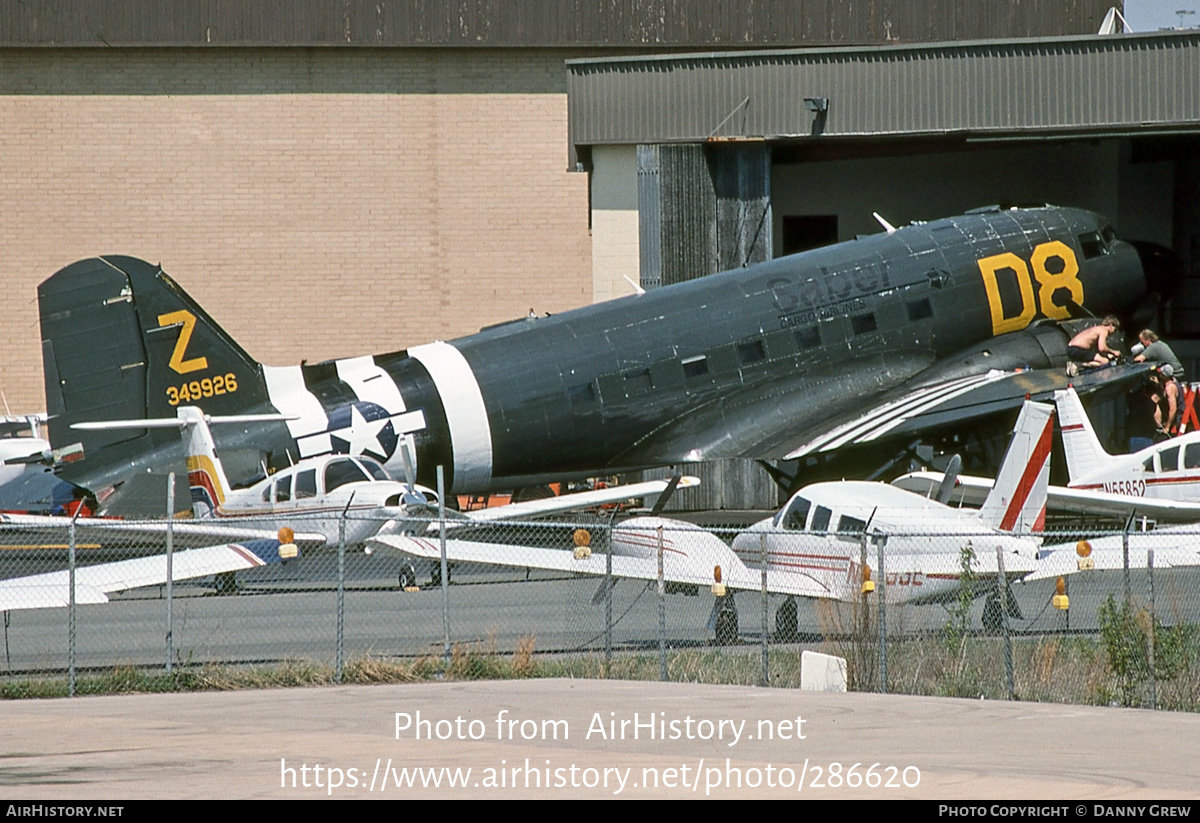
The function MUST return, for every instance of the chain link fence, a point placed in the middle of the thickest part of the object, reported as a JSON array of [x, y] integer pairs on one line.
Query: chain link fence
[[940, 619]]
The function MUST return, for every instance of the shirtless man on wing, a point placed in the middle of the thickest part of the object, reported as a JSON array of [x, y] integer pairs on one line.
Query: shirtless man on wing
[[1090, 348]]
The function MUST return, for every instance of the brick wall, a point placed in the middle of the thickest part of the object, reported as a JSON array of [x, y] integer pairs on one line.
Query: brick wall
[[317, 202]]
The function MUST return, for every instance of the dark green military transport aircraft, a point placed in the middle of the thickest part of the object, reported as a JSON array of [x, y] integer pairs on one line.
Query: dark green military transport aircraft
[[883, 336]]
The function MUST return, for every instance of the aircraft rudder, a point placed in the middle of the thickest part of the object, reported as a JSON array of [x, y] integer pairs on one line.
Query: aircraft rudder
[[1082, 448], [1017, 501], [122, 340]]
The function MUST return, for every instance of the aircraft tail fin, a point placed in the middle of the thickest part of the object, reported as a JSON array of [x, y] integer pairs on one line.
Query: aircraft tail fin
[[1017, 502], [206, 475], [1082, 446], [121, 341]]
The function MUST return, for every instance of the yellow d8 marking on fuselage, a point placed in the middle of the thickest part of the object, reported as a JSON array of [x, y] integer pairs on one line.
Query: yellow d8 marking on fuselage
[[1048, 283], [187, 322]]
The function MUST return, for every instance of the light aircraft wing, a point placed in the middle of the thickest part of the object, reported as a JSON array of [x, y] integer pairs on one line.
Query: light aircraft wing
[[1171, 549], [93, 584], [31, 531], [693, 568], [971, 491], [570, 502]]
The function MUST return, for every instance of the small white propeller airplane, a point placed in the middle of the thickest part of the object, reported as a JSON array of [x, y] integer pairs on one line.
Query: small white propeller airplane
[[816, 545], [824, 543], [327, 493], [1160, 482]]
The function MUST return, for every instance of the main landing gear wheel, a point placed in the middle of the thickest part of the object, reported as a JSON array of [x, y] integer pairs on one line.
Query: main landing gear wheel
[[787, 623], [408, 577], [726, 628], [993, 616], [226, 583]]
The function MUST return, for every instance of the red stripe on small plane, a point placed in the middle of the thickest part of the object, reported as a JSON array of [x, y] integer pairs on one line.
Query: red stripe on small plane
[[247, 555], [1074, 427], [1041, 453]]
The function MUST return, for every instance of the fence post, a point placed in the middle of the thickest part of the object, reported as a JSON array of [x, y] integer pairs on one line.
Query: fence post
[[170, 568], [762, 559], [341, 595], [71, 605], [880, 541], [1002, 594], [441, 490], [1153, 633], [608, 590], [662, 613]]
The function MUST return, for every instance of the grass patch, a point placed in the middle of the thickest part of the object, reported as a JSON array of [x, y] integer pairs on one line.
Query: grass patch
[[1046, 669]]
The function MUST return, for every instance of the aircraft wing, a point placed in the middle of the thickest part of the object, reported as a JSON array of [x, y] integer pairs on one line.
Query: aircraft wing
[[1171, 549], [971, 491], [93, 584], [33, 531], [946, 404], [696, 567], [568, 502]]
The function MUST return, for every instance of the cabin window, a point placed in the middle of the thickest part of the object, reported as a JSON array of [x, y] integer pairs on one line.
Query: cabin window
[[1169, 459], [1191, 456], [283, 489], [306, 484], [863, 323], [340, 472], [695, 366], [751, 352], [266, 495], [821, 519], [851, 525], [808, 337], [919, 309]]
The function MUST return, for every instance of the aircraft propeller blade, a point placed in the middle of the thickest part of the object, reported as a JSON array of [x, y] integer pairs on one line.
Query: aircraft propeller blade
[[949, 480]]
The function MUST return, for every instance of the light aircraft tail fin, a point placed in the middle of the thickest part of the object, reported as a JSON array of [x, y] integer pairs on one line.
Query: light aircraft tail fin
[[206, 476], [1082, 446], [121, 340], [1017, 502]]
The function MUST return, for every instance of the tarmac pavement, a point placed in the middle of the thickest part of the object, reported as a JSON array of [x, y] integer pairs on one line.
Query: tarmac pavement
[[591, 739]]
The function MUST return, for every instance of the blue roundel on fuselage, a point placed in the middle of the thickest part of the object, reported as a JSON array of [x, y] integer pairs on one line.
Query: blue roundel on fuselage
[[362, 428]]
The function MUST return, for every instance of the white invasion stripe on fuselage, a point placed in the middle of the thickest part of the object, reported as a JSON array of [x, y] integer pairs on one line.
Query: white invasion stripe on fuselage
[[288, 394], [371, 383], [466, 415]]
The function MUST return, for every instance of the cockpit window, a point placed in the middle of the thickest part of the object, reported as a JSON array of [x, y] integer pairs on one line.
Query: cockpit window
[[1092, 245], [821, 517], [1108, 234], [1149, 464], [796, 514], [283, 489], [340, 472]]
